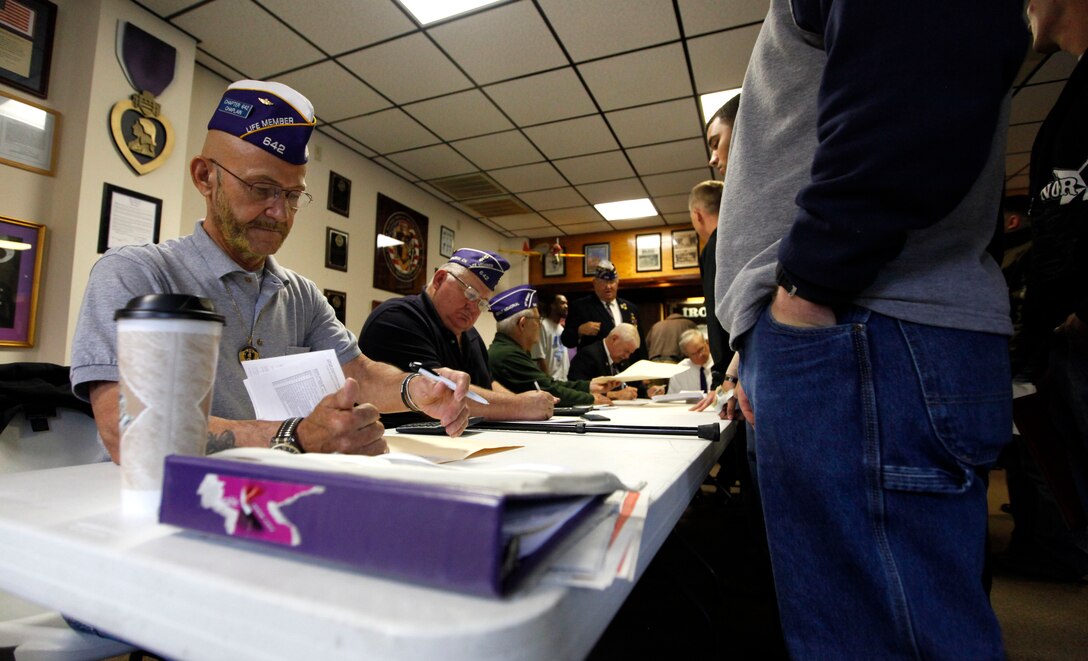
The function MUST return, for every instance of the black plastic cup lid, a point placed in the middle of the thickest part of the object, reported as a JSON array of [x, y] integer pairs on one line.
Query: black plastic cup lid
[[169, 306]]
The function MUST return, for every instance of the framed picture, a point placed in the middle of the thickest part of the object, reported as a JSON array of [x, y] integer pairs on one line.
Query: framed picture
[[445, 242], [400, 248], [26, 41], [339, 194], [685, 249], [554, 266], [336, 249], [594, 253], [28, 133], [339, 302], [647, 252], [128, 218], [21, 245]]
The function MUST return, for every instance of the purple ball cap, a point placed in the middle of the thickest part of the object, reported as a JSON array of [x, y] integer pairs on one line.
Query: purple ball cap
[[271, 116]]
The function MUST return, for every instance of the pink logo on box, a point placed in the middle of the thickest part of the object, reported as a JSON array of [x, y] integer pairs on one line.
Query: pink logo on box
[[254, 508]]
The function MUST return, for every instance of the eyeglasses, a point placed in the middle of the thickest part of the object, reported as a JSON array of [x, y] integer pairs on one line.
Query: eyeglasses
[[262, 192], [472, 295]]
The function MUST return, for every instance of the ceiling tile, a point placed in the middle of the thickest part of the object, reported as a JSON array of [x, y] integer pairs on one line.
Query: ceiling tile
[[238, 32], [434, 191], [168, 7], [672, 204], [586, 228], [1058, 66], [520, 221], [497, 44], [532, 100], [528, 177], [595, 28], [613, 191], [396, 169], [678, 219], [720, 60], [335, 93], [573, 137], [407, 69], [343, 25], [573, 216], [1021, 137], [597, 167], [668, 156], [661, 122], [674, 183], [555, 198], [213, 64], [387, 131], [433, 162], [346, 140], [460, 115], [702, 16], [1033, 102], [499, 150], [638, 223], [645, 76], [548, 232]]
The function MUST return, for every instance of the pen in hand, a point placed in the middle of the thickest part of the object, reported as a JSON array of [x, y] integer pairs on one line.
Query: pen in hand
[[438, 378], [537, 384]]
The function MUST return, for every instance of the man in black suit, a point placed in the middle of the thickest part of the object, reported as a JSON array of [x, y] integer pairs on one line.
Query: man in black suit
[[604, 358], [593, 317]]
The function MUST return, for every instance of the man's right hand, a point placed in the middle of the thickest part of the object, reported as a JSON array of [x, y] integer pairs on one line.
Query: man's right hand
[[535, 405], [338, 425], [590, 328]]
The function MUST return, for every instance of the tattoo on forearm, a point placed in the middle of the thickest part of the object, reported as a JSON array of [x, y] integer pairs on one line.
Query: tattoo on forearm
[[219, 442]]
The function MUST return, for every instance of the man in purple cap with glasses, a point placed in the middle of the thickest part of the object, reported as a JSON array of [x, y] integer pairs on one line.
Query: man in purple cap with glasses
[[251, 172], [435, 329]]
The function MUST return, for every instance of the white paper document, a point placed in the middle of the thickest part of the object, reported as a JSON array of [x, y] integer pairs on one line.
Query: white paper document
[[682, 396], [646, 369], [291, 386]]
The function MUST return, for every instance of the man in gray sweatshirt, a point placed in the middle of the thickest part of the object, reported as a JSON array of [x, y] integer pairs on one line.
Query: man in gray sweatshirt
[[864, 185]]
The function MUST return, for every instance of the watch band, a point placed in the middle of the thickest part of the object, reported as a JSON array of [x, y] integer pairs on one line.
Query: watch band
[[286, 439]]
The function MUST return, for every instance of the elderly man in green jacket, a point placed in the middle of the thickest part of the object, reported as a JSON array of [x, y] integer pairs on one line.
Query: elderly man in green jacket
[[511, 365]]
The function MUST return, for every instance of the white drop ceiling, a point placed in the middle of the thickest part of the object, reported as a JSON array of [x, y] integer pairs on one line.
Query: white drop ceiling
[[561, 103]]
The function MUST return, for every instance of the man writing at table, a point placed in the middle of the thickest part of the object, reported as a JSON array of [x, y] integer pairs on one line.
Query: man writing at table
[[253, 183], [602, 359], [436, 329], [519, 321]]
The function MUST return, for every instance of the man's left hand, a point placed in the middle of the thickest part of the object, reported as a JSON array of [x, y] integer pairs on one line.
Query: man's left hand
[[796, 311], [436, 399]]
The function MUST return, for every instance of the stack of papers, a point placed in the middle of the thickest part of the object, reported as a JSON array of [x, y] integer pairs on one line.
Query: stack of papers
[[291, 386], [682, 396]]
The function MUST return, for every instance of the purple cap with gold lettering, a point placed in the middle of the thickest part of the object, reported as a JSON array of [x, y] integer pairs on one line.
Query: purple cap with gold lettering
[[513, 301], [271, 116], [484, 264]]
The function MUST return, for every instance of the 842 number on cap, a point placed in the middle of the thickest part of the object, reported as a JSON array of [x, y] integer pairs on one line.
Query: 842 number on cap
[[274, 145]]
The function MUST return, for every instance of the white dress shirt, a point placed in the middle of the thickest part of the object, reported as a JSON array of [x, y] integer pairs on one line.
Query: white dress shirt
[[689, 378]]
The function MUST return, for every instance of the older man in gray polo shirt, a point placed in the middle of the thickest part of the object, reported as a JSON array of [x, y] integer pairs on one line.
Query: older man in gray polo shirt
[[251, 172]]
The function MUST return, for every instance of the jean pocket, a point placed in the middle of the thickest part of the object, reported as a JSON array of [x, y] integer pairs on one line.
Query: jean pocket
[[964, 376]]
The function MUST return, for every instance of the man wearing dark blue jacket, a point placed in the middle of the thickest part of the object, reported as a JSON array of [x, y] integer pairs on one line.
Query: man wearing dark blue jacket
[[864, 178]]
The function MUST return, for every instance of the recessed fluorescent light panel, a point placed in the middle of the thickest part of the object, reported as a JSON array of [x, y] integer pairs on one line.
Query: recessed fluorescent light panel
[[430, 11], [626, 209], [711, 102]]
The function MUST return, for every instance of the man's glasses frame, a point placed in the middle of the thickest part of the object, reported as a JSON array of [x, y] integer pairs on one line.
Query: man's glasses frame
[[262, 192], [471, 295]]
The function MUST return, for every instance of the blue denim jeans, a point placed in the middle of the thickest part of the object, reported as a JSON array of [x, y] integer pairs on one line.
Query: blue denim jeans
[[872, 438]]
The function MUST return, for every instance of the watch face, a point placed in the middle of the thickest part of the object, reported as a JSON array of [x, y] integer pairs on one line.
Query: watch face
[[286, 445]]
